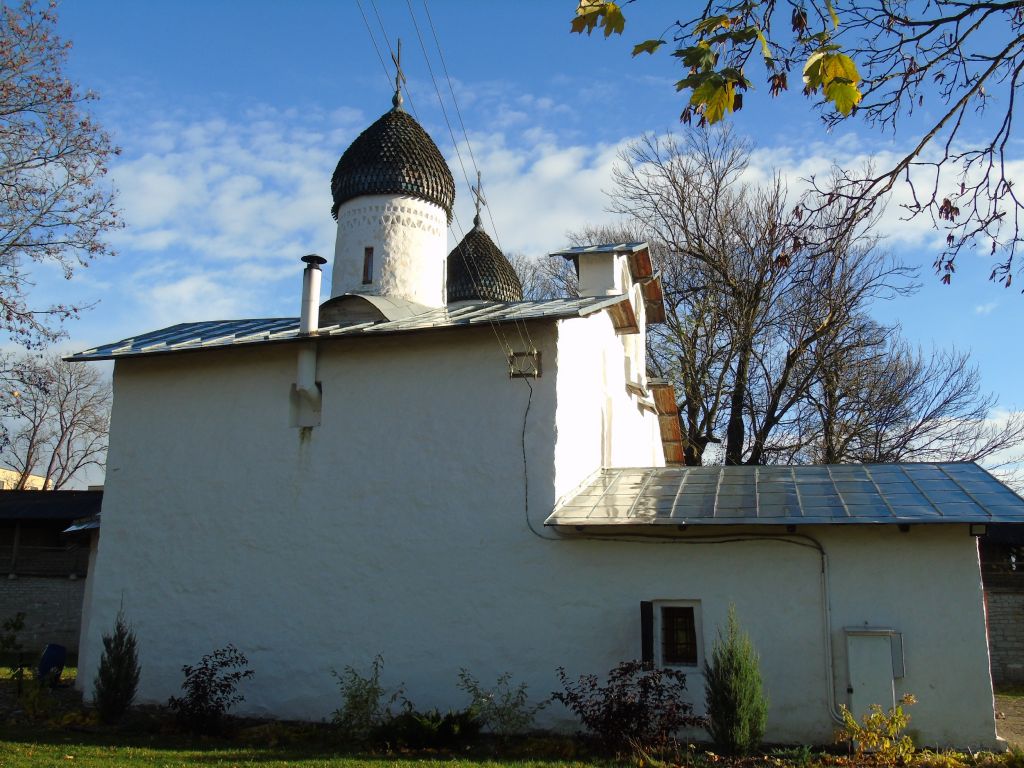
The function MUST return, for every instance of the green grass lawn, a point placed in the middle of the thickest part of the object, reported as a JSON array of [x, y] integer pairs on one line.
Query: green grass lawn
[[69, 736], [33, 754], [45, 747]]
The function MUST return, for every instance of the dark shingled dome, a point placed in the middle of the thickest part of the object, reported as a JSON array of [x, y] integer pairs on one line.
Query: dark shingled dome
[[478, 270], [394, 156]]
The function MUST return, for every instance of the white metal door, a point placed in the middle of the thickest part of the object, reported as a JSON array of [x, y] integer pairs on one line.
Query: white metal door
[[871, 676]]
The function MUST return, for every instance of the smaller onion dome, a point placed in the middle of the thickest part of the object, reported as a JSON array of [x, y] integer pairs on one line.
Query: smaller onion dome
[[394, 156], [478, 270]]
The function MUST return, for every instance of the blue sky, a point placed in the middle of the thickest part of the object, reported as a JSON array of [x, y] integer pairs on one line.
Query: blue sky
[[231, 117]]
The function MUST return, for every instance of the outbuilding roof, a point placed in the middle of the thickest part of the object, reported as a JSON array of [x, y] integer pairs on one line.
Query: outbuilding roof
[[232, 333], [958, 492], [49, 505]]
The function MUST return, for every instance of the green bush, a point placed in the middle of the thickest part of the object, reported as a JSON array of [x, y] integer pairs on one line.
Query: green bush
[[118, 676], [10, 646], [637, 708], [737, 707], [36, 699], [210, 690], [880, 732], [365, 704], [411, 729], [504, 709]]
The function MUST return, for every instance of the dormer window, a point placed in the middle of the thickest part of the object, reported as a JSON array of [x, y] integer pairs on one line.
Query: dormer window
[[367, 266]]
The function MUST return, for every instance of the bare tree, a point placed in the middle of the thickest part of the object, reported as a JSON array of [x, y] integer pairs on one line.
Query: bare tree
[[54, 204], [57, 419], [740, 254], [544, 277], [892, 403], [768, 337]]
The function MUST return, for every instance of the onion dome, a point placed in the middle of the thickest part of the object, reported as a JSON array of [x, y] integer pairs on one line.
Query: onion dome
[[478, 270], [394, 156]]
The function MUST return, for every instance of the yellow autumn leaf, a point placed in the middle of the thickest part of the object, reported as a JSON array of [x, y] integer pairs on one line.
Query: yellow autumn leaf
[[614, 21], [832, 13], [765, 50], [812, 71], [838, 66], [647, 46], [844, 95], [717, 99]]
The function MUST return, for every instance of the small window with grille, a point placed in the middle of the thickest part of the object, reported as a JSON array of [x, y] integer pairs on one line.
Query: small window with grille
[[678, 635], [367, 265], [671, 633]]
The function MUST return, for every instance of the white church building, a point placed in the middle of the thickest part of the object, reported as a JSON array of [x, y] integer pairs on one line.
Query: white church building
[[429, 468]]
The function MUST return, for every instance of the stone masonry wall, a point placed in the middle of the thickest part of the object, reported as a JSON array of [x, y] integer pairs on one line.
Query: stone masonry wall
[[52, 606], [1006, 632]]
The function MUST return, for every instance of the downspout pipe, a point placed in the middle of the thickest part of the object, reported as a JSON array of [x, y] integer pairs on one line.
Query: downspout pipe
[[309, 323]]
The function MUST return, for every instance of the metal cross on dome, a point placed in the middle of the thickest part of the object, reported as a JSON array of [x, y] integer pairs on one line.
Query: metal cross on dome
[[399, 75], [478, 198]]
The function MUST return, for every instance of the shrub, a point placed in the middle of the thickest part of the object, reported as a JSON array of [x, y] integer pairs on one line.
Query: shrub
[[210, 690], [9, 630], [118, 676], [363, 708], [737, 707], [637, 707], [503, 709], [879, 732], [10, 646], [36, 700], [427, 730]]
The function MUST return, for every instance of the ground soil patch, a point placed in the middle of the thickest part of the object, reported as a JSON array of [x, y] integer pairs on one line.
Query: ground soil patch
[[1010, 718]]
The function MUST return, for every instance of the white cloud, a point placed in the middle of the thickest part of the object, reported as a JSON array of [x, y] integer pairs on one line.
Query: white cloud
[[197, 297], [986, 309], [227, 208]]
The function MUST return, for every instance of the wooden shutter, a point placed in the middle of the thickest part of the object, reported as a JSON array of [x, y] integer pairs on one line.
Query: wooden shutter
[[647, 633]]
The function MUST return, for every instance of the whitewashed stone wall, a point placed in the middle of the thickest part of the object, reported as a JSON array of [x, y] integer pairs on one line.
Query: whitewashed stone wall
[[409, 238], [401, 526]]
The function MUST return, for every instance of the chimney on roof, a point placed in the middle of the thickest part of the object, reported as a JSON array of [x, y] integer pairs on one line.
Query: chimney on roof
[[305, 396], [609, 269], [309, 314], [602, 274]]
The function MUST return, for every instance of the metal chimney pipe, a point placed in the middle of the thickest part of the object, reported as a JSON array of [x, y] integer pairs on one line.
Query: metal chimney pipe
[[309, 314], [309, 321]]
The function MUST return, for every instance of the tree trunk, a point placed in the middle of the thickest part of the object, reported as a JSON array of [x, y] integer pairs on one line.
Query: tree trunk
[[736, 432]]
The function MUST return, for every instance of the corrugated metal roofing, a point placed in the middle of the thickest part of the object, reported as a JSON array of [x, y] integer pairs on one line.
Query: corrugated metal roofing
[[227, 333], [780, 495], [91, 523]]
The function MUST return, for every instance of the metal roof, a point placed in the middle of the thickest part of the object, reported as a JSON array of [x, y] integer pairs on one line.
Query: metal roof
[[639, 257], [602, 248], [91, 523], [229, 333], [786, 495]]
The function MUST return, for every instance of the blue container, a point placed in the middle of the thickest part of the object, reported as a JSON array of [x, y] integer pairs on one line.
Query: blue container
[[51, 664]]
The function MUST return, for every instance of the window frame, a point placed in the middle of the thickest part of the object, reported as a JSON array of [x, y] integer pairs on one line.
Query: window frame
[[658, 628], [368, 265]]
